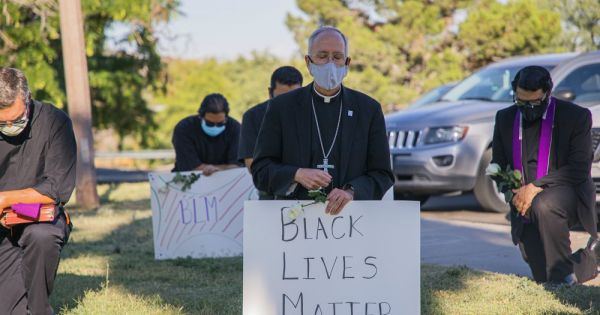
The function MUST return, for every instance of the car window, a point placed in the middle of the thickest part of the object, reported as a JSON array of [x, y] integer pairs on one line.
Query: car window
[[431, 96], [492, 84], [584, 82]]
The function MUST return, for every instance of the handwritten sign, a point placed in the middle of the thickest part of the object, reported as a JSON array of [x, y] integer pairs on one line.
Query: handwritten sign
[[364, 261], [205, 220]]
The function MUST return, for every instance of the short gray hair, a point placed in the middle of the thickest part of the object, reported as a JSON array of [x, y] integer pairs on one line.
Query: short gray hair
[[12, 83], [327, 28]]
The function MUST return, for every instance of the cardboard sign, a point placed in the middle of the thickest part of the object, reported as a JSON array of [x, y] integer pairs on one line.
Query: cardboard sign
[[364, 261], [205, 220]]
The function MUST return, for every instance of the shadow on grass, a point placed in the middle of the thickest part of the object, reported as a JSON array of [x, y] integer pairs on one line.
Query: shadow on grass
[[435, 280], [585, 298], [198, 286], [70, 288]]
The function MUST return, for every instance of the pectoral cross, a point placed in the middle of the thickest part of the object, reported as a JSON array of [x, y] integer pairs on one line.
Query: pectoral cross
[[325, 166]]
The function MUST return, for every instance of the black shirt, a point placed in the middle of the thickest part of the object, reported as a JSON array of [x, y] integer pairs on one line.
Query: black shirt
[[194, 147], [43, 156], [531, 144], [328, 115], [250, 127]]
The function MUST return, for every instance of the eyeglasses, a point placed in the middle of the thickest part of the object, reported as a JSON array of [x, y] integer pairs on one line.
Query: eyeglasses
[[531, 103], [322, 58], [212, 124], [19, 121]]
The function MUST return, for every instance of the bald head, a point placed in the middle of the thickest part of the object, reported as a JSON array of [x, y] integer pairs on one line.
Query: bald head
[[329, 35]]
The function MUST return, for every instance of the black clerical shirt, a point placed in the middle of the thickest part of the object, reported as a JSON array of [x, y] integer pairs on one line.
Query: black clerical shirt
[[42, 157], [194, 147], [531, 145], [328, 115], [250, 127]]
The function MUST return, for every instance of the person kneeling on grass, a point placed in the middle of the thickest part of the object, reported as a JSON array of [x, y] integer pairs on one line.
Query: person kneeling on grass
[[548, 140], [37, 166]]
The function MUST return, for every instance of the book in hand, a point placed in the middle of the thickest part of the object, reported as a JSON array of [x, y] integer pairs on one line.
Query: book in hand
[[28, 213]]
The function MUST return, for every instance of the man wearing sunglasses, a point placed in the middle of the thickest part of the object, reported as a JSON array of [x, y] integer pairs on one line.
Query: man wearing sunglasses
[[549, 141], [207, 142], [324, 136], [37, 166]]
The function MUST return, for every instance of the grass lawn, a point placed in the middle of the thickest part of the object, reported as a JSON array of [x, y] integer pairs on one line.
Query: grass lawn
[[108, 267]]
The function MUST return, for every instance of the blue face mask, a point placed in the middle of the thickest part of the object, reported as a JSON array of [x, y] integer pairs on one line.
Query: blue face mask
[[212, 131]]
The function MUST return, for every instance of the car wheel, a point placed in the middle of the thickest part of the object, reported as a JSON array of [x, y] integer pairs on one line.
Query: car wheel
[[407, 196], [486, 192]]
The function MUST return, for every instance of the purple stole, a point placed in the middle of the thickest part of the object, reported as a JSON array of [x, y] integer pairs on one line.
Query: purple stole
[[545, 141]]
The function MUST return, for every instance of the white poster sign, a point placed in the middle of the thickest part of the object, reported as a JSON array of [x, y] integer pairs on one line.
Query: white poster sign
[[366, 260], [205, 220]]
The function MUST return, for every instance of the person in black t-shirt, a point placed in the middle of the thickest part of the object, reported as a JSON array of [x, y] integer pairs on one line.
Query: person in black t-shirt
[[283, 80], [207, 142]]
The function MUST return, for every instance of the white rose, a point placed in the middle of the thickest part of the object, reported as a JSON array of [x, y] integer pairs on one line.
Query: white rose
[[295, 211], [163, 189], [492, 170]]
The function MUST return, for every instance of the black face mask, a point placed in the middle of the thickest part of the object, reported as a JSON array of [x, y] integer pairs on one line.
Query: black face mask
[[532, 113]]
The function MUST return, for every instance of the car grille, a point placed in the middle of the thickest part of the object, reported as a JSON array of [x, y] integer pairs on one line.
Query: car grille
[[595, 143], [403, 139]]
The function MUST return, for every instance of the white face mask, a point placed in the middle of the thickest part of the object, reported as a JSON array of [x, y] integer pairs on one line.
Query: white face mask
[[328, 76], [17, 127], [13, 130]]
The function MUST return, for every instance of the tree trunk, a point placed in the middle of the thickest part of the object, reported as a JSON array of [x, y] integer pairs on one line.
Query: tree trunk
[[78, 98]]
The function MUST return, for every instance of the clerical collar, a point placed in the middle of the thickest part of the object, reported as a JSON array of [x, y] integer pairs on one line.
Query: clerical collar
[[326, 99]]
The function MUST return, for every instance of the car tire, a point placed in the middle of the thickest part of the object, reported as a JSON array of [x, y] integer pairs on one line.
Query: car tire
[[406, 196], [485, 191]]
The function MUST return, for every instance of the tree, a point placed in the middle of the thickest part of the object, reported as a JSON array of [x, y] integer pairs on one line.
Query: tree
[[243, 81], [119, 74], [494, 31], [581, 19], [402, 48]]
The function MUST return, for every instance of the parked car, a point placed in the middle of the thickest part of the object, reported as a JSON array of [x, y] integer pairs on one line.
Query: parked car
[[445, 147], [432, 96]]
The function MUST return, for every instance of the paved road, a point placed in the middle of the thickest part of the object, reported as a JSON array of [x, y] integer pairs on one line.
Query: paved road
[[476, 239], [105, 175]]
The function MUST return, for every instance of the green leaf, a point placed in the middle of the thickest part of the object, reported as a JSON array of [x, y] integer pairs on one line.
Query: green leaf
[[317, 195]]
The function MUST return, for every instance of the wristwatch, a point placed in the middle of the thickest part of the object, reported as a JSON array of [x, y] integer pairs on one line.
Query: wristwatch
[[349, 188]]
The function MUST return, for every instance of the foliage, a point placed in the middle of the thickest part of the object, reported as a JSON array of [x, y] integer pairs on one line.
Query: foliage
[[121, 70], [581, 19], [400, 49], [507, 179], [495, 31], [243, 82], [186, 181]]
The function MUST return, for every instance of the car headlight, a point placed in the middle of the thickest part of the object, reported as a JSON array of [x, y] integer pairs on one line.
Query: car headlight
[[445, 134]]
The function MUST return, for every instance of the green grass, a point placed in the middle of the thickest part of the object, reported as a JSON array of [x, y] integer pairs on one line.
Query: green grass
[[108, 267]]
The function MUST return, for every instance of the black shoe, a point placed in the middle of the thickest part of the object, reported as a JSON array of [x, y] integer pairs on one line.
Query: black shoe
[[570, 280]]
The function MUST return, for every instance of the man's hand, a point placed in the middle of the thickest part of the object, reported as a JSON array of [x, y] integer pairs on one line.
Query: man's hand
[[3, 205], [312, 179], [3, 202], [337, 200], [208, 169], [524, 196]]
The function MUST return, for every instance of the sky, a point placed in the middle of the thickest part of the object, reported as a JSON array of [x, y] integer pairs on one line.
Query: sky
[[226, 29]]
